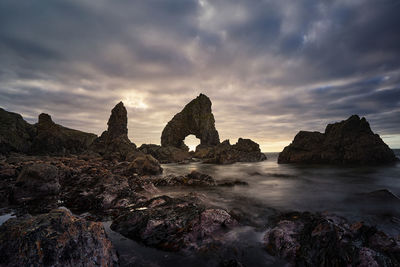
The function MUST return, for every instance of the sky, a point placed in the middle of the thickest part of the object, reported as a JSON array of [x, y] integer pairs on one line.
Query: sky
[[270, 68]]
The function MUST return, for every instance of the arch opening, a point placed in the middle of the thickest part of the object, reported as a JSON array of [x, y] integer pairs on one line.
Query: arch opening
[[192, 142]]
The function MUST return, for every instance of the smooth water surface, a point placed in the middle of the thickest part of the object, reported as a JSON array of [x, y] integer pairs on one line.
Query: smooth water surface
[[281, 187]]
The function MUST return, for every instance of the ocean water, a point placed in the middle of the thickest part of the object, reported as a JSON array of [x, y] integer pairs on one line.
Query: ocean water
[[276, 187]]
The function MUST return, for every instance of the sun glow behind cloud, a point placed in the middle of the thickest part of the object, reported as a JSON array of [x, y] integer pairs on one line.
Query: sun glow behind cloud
[[271, 68]]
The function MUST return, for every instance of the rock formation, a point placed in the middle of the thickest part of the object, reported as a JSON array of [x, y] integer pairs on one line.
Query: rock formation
[[307, 239], [52, 138], [245, 150], [173, 223], [114, 143], [45, 137], [37, 185], [167, 154], [196, 118], [16, 134], [55, 239], [347, 142]]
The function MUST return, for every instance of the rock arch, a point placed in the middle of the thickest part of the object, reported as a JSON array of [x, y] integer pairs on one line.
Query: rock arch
[[196, 118]]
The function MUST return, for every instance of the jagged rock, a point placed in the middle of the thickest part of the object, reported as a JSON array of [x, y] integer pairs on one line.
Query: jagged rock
[[114, 143], [145, 164], [306, 239], [192, 179], [347, 142], [196, 118], [38, 185], [173, 223], [52, 138], [245, 150], [55, 239], [16, 135], [167, 154]]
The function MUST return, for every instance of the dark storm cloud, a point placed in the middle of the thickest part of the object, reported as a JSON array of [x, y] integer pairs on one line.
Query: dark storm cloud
[[270, 67]]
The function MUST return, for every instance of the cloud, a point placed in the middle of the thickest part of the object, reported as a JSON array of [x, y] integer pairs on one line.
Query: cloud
[[271, 68]]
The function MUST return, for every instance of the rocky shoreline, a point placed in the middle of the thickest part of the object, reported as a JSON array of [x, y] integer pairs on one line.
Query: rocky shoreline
[[61, 183]]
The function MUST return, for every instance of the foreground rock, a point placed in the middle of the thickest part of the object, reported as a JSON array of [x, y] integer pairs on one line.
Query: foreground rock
[[306, 239], [196, 118], [245, 150], [38, 186], [173, 223], [347, 142], [167, 154], [192, 179], [114, 143], [55, 239]]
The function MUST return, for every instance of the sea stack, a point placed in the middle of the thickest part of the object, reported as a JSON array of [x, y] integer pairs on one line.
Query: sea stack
[[196, 118], [347, 142], [114, 143]]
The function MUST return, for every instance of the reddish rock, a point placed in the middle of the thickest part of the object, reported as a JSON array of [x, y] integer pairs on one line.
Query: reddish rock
[[55, 239]]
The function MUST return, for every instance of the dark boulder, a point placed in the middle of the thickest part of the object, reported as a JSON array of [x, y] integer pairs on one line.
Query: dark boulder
[[306, 239], [347, 142], [196, 118], [245, 150], [168, 154], [144, 165], [173, 223], [192, 179], [55, 239], [52, 138], [38, 185], [114, 143], [16, 135]]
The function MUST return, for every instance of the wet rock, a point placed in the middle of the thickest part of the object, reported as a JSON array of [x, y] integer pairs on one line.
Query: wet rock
[[99, 186], [55, 139], [173, 223], [168, 154], [347, 142], [38, 184], [144, 165], [196, 118], [245, 150], [382, 195], [114, 143], [306, 239], [16, 135], [192, 179], [55, 239], [231, 183]]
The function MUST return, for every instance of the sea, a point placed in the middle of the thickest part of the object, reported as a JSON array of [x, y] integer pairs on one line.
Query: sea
[[272, 187]]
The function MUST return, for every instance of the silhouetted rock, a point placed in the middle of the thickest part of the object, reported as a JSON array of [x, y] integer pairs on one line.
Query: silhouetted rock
[[52, 138], [196, 118], [16, 135], [167, 154], [245, 150], [114, 143], [55, 239], [306, 239], [173, 223], [347, 142]]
